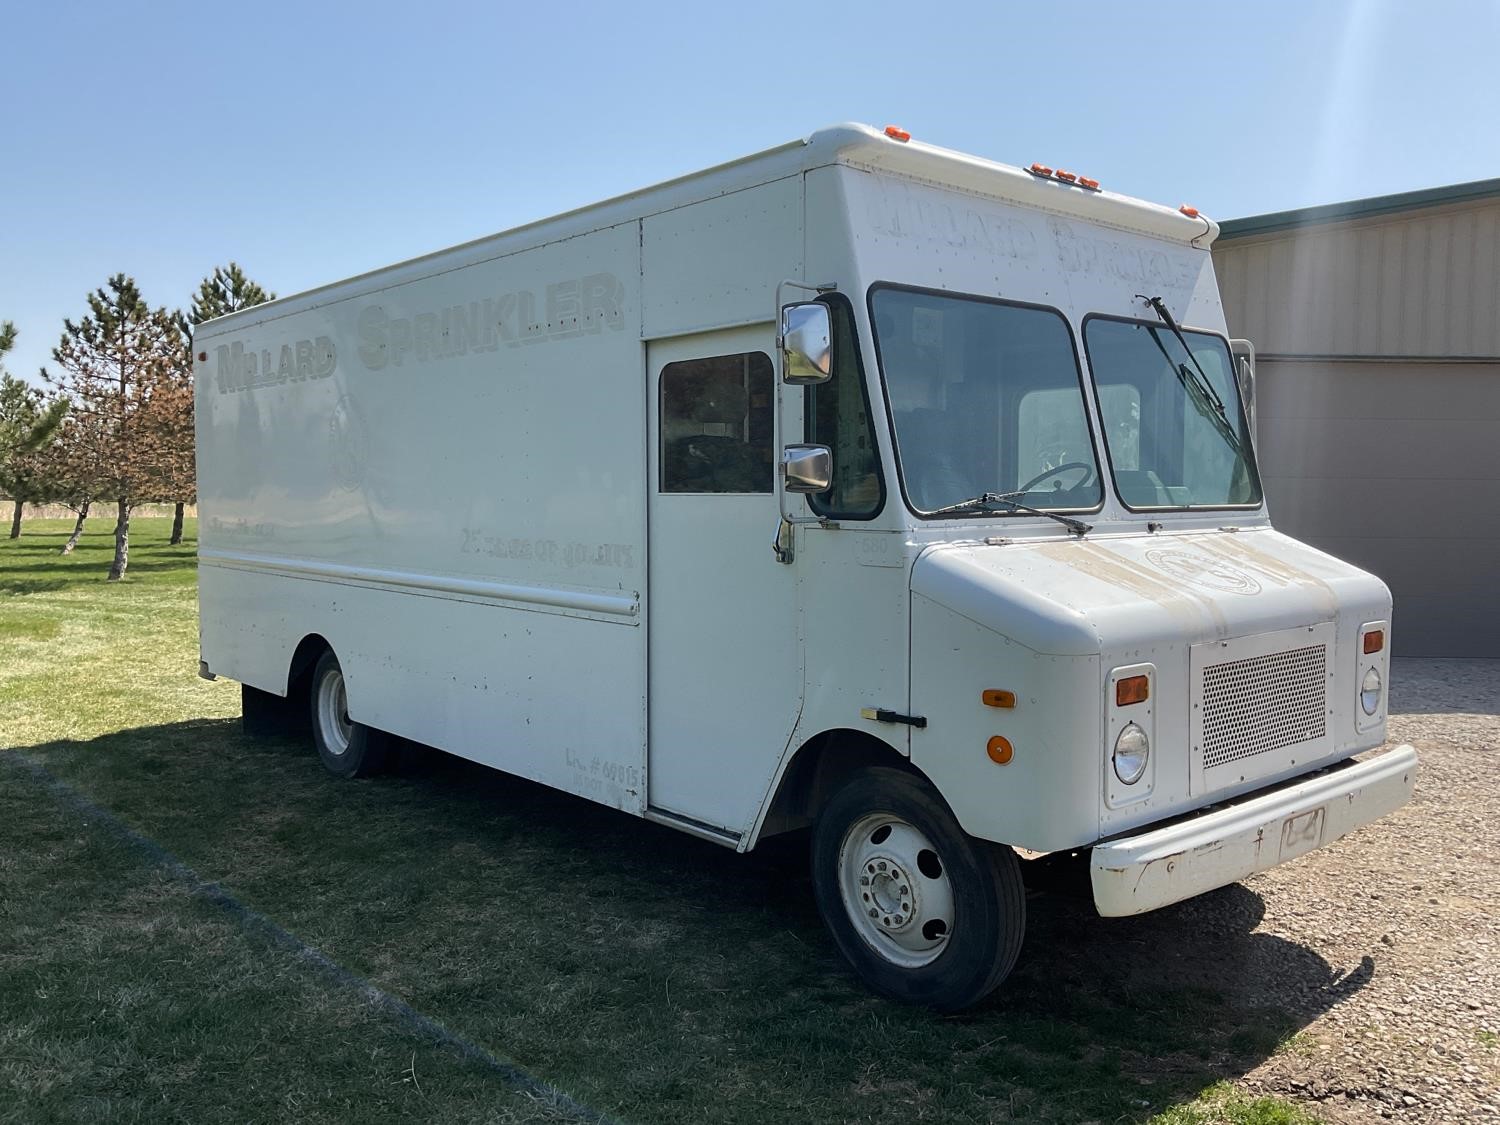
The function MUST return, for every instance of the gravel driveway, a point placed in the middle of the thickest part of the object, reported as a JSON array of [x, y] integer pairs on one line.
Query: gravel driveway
[[1409, 910]]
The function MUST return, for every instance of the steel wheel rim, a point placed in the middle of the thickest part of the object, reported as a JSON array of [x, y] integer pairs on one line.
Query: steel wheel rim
[[896, 890], [333, 713]]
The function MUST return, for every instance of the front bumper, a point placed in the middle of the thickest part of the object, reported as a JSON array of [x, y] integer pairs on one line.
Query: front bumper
[[1166, 865]]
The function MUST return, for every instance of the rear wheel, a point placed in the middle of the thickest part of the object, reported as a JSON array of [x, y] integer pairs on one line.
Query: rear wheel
[[348, 749], [923, 911]]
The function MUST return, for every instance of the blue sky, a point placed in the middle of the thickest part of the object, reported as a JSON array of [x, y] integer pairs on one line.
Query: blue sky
[[313, 141]]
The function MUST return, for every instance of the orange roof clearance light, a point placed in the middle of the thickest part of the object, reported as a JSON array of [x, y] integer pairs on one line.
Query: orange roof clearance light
[[1374, 641], [896, 133], [1040, 170], [1068, 176], [1000, 750], [1190, 212], [994, 697], [1132, 689], [1092, 185]]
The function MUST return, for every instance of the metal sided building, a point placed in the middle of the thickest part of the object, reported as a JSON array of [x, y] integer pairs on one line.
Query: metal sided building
[[1377, 330]]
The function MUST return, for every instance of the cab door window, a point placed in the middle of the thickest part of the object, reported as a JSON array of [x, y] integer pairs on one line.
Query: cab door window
[[837, 415]]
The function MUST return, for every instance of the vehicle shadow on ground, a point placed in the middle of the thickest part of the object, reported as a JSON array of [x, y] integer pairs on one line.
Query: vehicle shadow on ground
[[1108, 1019]]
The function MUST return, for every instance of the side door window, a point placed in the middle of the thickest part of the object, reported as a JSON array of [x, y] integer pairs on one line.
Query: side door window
[[716, 424]]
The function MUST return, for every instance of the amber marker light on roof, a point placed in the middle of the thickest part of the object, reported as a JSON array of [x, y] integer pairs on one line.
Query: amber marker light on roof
[[1069, 176], [1040, 170], [994, 697], [896, 133], [1374, 641], [1092, 185], [1190, 212], [1132, 689], [1000, 750]]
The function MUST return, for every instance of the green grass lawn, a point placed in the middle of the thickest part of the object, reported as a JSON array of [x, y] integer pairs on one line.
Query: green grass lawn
[[650, 976]]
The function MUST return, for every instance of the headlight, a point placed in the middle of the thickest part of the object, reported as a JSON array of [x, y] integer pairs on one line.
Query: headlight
[[1132, 749], [1369, 692]]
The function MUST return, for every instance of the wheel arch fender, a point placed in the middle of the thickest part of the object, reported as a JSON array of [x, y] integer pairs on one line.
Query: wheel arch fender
[[300, 667], [815, 771]]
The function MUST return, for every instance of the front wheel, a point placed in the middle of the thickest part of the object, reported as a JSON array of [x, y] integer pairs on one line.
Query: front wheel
[[923, 911], [348, 749]]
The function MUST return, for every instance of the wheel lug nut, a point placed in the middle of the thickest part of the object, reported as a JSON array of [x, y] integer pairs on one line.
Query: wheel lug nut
[[874, 914]]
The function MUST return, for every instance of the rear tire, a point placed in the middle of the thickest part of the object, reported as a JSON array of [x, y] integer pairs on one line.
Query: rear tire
[[348, 749], [924, 912]]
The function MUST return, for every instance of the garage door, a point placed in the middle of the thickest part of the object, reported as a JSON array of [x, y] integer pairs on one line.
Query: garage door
[[1396, 468]]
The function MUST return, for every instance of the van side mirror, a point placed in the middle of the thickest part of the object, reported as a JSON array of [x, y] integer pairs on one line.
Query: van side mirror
[[808, 468], [1244, 365], [806, 347]]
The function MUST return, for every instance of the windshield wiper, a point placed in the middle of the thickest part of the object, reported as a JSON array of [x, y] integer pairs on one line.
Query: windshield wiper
[[1199, 390], [983, 501]]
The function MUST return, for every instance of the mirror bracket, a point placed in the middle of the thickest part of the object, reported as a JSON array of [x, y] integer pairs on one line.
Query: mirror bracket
[[781, 492], [1243, 353], [784, 546]]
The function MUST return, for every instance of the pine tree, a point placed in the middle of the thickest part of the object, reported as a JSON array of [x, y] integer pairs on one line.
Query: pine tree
[[39, 477], [28, 422], [75, 471], [222, 292], [177, 468], [122, 366], [24, 478]]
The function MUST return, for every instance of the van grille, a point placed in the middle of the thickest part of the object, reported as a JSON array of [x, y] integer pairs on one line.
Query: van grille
[[1264, 703]]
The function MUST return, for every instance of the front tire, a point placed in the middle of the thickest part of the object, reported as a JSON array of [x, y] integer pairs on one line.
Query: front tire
[[923, 911], [348, 749]]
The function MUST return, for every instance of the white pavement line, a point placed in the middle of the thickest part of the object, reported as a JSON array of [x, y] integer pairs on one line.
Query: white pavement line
[[265, 928]]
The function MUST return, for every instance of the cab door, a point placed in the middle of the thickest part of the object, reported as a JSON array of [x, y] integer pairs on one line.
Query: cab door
[[725, 673]]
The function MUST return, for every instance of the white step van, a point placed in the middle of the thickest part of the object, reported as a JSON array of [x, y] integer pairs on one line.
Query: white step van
[[859, 484]]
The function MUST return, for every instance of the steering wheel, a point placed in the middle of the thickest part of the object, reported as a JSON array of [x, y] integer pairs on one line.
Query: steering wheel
[[1088, 475]]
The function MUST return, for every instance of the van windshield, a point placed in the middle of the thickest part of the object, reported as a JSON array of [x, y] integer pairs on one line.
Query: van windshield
[[1174, 429], [985, 396]]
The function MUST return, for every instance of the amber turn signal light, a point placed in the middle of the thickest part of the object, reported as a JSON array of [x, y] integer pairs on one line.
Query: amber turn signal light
[[994, 697], [1000, 750], [1132, 689], [1374, 641]]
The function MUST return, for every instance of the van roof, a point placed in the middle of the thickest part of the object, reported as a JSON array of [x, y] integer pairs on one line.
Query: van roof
[[853, 145]]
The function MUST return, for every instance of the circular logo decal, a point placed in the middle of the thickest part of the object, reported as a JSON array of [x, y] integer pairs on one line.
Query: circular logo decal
[[1211, 574], [348, 443]]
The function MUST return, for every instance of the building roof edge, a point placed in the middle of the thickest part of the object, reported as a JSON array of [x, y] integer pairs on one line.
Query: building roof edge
[[1358, 208]]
